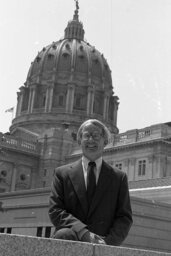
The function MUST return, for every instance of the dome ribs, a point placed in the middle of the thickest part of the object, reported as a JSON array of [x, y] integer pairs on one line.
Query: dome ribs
[[68, 80]]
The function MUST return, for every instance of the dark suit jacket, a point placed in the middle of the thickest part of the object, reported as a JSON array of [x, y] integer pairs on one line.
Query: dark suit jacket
[[110, 212]]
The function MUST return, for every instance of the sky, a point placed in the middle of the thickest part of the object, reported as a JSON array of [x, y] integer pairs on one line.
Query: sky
[[133, 35]]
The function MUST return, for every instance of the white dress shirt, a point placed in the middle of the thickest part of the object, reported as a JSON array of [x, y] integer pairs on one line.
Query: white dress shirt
[[97, 169]]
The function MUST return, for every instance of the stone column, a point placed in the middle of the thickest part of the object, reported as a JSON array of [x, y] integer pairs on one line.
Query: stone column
[[90, 101], [32, 98], [33, 180], [106, 107], [126, 167], [29, 102], [50, 98], [132, 169], [47, 100], [14, 175], [159, 164], [19, 103], [163, 166], [70, 98], [150, 167], [115, 112], [32, 92], [19, 100]]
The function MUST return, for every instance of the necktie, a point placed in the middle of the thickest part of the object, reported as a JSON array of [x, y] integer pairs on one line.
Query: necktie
[[91, 182]]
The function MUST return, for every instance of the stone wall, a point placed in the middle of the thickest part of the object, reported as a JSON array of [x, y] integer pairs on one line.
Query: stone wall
[[14, 245], [26, 213], [152, 225]]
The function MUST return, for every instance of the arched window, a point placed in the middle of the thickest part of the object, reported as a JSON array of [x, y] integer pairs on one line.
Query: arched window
[[79, 102], [98, 105]]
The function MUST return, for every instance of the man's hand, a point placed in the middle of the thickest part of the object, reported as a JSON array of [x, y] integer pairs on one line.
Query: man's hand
[[96, 239], [92, 238]]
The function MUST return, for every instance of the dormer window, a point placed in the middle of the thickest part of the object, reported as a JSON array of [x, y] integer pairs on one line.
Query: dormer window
[[50, 56], [54, 46], [67, 46], [38, 58], [96, 61], [106, 66], [65, 55]]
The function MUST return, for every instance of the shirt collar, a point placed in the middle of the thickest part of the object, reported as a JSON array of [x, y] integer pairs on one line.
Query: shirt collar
[[98, 162]]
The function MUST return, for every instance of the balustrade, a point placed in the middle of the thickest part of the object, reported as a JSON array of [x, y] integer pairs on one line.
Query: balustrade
[[11, 142]]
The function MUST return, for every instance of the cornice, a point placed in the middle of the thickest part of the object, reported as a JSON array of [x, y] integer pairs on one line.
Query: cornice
[[136, 144]]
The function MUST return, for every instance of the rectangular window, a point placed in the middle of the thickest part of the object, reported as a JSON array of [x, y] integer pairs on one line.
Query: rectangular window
[[141, 167], [47, 231], [78, 102], [119, 166], [2, 230], [39, 231], [9, 230]]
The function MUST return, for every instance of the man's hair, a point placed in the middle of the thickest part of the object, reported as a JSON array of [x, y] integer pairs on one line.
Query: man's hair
[[105, 131]]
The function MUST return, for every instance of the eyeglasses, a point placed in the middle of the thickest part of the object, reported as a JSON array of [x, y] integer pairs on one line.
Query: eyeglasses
[[94, 136]]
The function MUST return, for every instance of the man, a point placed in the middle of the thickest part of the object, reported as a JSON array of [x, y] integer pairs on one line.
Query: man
[[89, 200]]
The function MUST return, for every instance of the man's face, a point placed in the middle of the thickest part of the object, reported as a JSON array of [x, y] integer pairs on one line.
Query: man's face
[[92, 142]]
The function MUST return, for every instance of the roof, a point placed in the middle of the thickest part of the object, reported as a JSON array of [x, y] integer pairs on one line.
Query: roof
[[158, 182]]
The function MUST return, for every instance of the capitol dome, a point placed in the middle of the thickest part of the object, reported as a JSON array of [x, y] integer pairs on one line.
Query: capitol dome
[[69, 81]]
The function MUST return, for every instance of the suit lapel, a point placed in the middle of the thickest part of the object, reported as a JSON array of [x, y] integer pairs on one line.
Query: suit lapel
[[77, 179], [102, 185]]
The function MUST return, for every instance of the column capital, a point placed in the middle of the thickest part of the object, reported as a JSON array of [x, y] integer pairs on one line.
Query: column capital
[[15, 164], [90, 89], [50, 86], [71, 86], [33, 86], [18, 94], [22, 88], [106, 94]]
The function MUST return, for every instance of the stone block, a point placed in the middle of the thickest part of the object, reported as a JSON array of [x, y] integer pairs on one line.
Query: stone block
[[101, 250], [15, 245], [18, 245]]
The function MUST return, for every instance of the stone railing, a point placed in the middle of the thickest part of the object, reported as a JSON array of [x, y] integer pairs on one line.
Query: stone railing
[[136, 135], [9, 141], [15, 245]]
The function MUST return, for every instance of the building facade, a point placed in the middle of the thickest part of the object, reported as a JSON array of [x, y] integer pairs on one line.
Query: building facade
[[69, 81]]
